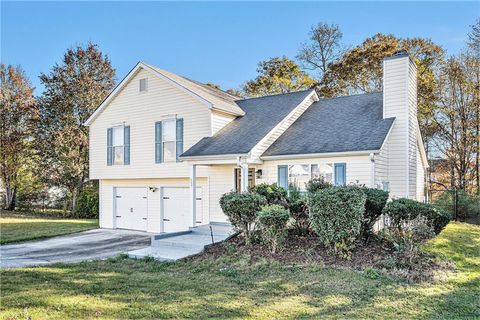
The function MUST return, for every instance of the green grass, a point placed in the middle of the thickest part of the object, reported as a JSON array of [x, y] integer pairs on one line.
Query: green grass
[[234, 286], [23, 227]]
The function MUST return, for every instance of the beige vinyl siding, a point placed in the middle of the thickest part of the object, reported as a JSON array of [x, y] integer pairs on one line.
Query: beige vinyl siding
[[420, 179], [222, 180], [412, 130], [358, 168], [381, 166], [276, 132], [396, 102], [140, 111], [220, 120], [153, 198]]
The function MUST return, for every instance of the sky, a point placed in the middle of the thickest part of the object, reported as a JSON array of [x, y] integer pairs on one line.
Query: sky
[[216, 42]]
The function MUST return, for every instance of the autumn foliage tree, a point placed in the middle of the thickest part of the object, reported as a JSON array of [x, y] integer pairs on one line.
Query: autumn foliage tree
[[73, 90], [17, 112], [278, 75]]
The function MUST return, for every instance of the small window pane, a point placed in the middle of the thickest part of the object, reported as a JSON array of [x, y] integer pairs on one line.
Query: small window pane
[[326, 171], [169, 152], [143, 84], [118, 155], [315, 171], [118, 136], [299, 175], [169, 128]]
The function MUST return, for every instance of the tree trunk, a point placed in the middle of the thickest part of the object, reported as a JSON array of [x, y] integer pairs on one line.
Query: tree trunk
[[10, 197]]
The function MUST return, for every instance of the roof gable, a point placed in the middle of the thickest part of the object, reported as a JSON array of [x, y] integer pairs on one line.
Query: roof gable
[[213, 98], [344, 124], [242, 134]]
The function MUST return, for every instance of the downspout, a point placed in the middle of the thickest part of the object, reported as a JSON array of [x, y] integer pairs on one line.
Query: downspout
[[372, 161]]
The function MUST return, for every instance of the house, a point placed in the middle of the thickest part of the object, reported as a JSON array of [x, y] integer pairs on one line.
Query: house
[[165, 148]]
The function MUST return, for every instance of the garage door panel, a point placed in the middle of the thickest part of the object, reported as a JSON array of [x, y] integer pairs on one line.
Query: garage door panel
[[176, 209], [131, 208]]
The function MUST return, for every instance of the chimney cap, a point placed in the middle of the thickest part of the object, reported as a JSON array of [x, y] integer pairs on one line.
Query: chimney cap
[[398, 54]]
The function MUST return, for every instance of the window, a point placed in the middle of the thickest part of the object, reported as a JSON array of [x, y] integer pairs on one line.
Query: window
[[323, 170], [299, 174], [118, 145], [143, 84], [168, 140]]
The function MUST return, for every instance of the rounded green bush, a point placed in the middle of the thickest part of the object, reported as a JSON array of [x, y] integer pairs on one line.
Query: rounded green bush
[[376, 201], [241, 209], [273, 220], [404, 210], [336, 215], [317, 184], [87, 202], [273, 193]]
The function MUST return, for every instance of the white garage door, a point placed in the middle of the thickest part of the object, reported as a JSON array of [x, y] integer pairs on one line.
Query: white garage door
[[131, 208], [177, 215]]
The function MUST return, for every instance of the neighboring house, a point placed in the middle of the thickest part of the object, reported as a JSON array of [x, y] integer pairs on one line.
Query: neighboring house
[[165, 148]]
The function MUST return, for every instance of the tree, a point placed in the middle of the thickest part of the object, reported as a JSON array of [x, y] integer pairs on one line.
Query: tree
[[474, 52], [324, 47], [455, 117], [278, 75], [360, 70], [17, 111], [73, 90]]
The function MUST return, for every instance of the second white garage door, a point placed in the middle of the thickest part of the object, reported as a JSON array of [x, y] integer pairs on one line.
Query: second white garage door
[[176, 209]]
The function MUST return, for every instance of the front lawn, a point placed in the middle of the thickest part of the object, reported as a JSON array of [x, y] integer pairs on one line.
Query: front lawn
[[23, 227], [236, 285]]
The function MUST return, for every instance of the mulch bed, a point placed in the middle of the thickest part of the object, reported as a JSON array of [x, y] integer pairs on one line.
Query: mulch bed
[[305, 249]]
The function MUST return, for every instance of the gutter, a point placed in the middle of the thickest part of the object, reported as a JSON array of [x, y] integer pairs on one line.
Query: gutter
[[320, 155]]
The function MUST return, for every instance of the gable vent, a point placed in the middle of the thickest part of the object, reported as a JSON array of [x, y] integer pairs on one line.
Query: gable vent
[[143, 84]]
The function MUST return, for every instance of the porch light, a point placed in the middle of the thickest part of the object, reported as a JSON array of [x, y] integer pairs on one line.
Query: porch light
[[259, 173]]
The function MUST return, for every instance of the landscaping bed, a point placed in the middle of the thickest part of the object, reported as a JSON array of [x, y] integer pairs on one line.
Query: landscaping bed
[[304, 250]]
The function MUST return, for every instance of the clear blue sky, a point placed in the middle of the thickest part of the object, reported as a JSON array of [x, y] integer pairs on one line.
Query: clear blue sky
[[214, 42]]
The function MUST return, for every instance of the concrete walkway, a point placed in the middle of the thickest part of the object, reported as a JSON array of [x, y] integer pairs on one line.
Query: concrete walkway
[[87, 245], [171, 247]]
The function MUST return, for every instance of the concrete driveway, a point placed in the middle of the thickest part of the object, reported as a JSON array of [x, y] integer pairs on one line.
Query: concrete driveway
[[87, 245]]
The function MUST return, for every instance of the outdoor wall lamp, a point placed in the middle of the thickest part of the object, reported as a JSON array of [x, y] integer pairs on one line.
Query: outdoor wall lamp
[[259, 173]]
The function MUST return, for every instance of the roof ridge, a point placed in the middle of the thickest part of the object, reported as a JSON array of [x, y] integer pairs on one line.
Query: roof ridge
[[351, 95], [278, 94]]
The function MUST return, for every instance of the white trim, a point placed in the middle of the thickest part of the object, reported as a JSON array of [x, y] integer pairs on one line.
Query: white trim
[[113, 94], [407, 84], [388, 134], [312, 96], [423, 153], [131, 74], [320, 155], [214, 157]]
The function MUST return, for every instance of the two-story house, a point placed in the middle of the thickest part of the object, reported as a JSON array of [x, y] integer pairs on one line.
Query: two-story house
[[165, 148]]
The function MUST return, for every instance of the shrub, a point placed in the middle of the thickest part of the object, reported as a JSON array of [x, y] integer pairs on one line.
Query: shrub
[[241, 209], [299, 212], [407, 241], [336, 216], [273, 220], [87, 202], [273, 193], [376, 201], [317, 184], [403, 210]]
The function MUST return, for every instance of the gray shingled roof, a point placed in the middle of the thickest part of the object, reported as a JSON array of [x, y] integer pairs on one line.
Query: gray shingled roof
[[351, 123], [242, 134]]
